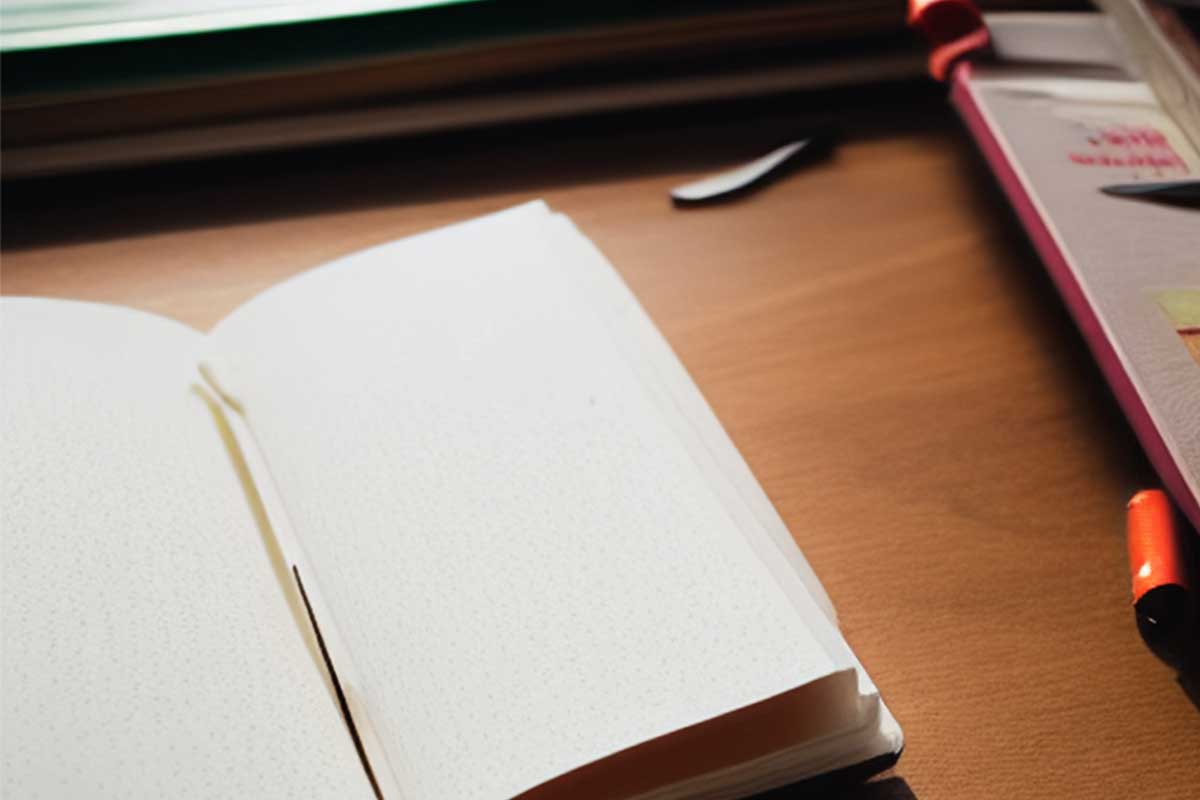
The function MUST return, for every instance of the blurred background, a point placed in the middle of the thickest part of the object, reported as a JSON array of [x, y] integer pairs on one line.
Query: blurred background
[[103, 84]]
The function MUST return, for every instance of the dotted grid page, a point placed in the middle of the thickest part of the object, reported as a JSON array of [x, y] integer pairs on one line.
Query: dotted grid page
[[527, 567], [695, 424], [148, 650]]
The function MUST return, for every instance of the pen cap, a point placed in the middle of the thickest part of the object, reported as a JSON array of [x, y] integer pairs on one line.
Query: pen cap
[[1155, 555]]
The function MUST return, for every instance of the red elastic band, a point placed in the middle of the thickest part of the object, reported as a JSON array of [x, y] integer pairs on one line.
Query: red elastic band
[[954, 29]]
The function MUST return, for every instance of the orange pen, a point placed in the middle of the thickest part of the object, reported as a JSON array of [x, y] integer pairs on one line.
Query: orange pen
[[1162, 597]]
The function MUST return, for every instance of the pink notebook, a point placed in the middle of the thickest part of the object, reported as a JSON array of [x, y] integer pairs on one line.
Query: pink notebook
[[1054, 132]]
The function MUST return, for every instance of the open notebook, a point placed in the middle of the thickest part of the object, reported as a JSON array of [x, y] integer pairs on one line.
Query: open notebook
[[536, 564]]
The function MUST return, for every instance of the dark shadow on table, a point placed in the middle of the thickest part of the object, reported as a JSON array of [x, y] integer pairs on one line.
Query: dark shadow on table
[[889, 788], [1190, 683], [524, 158], [1189, 670]]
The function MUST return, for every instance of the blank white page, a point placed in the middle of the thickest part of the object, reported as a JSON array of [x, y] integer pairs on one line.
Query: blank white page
[[527, 567], [148, 649]]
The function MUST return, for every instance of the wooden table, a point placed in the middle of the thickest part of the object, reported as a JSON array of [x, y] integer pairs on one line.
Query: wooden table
[[875, 334]]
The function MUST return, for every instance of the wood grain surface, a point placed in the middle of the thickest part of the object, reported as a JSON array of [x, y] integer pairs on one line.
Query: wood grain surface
[[873, 331]]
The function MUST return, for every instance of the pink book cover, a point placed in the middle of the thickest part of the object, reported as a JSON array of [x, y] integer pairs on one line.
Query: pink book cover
[[1129, 271]]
